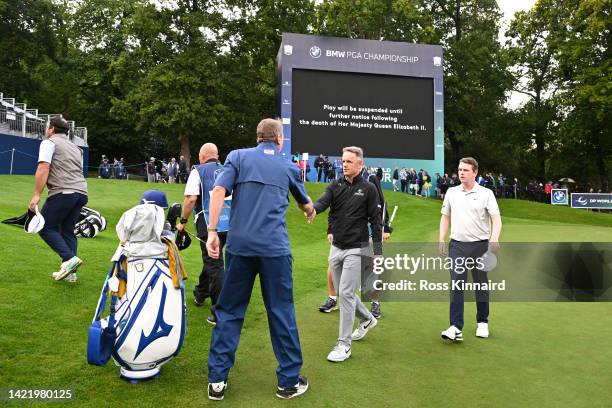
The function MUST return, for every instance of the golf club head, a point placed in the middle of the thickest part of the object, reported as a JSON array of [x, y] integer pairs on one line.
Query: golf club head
[[182, 240], [174, 212]]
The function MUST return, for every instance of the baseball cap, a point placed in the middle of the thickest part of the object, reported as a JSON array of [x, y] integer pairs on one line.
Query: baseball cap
[[154, 197]]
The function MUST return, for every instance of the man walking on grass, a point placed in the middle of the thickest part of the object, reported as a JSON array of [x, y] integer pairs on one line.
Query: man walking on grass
[[467, 209], [60, 169], [260, 180], [354, 203]]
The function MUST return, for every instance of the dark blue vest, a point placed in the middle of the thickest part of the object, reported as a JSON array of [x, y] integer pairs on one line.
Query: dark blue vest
[[208, 173]]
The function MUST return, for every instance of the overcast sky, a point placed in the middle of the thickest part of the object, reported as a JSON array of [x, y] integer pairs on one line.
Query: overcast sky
[[509, 7]]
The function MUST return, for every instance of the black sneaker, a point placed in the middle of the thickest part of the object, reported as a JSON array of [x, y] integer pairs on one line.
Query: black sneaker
[[329, 306], [299, 389], [212, 320], [216, 391], [376, 310], [198, 299]]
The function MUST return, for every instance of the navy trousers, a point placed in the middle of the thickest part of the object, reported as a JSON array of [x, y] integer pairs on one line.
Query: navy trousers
[[276, 280], [210, 281], [61, 213], [464, 250]]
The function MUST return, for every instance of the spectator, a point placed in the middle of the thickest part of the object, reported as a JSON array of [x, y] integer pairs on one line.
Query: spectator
[[104, 169], [548, 189], [404, 180], [319, 165], [183, 170], [173, 170], [439, 182], [411, 180], [337, 168], [379, 173], [395, 179], [419, 181], [120, 170], [150, 170], [426, 183], [329, 169], [501, 182], [163, 174], [446, 184]]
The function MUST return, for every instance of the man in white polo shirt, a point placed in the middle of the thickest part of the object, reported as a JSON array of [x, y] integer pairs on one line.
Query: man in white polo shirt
[[473, 215]]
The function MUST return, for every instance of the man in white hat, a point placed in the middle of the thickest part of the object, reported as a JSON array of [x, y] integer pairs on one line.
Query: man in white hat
[[60, 169]]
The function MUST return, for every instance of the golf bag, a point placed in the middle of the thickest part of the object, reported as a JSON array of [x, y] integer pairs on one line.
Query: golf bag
[[147, 320], [90, 223]]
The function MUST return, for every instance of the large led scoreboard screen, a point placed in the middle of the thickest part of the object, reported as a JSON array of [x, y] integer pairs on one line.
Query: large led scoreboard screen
[[389, 116]]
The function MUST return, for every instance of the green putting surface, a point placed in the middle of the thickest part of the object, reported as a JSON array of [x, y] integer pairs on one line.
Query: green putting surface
[[539, 354]]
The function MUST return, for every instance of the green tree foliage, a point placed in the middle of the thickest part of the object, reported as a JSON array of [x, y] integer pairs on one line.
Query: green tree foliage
[[391, 20], [586, 80], [475, 77], [27, 39], [162, 77], [535, 71]]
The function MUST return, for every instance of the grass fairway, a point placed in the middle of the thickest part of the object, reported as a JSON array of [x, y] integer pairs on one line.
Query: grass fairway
[[539, 354]]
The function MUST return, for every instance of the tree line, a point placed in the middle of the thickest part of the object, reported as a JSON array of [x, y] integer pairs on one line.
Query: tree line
[[150, 77]]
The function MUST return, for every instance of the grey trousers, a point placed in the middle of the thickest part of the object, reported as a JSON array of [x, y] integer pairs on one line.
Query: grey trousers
[[346, 273]]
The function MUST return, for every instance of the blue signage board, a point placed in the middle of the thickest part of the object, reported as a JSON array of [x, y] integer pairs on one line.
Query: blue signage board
[[559, 196], [601, 201]]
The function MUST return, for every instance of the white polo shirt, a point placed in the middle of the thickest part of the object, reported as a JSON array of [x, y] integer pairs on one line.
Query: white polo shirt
[[192, 187], [470, 212]]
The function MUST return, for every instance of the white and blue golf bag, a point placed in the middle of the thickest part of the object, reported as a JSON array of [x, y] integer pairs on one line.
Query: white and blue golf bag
[[146, 324]]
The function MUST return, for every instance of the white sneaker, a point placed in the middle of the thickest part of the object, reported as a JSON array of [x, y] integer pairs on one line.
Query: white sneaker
[[72, 278], [452, 334], [364, 328], [339, 353], [68, 267], [216, 391], [482, 330]]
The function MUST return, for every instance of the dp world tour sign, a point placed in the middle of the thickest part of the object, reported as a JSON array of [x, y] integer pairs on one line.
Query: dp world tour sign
[[601, 201], [386, 97]]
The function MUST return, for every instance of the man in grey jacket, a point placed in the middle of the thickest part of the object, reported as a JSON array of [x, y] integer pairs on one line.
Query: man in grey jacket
[[60, 169]]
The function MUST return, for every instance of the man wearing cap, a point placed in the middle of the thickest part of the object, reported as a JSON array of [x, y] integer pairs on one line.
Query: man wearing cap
[[197, 195], [260, 180], [467, 209], [60, 168]]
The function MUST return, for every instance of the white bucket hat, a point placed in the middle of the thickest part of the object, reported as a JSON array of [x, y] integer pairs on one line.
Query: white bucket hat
[[35, 222]]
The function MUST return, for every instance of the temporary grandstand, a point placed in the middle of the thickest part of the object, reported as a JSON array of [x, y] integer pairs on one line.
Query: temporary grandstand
[[21, 131], [17, 120]]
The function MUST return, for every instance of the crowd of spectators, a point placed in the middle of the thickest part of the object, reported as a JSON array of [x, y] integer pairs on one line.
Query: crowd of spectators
[[116, 169], [166, 171], [405, 180], [153, 171]]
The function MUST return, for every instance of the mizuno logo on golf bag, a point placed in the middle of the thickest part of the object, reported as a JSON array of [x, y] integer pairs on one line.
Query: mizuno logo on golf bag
[[160, 328]]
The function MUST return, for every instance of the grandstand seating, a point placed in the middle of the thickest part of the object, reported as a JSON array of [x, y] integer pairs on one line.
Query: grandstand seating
[[12, 115]]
